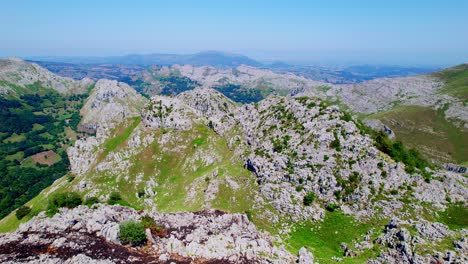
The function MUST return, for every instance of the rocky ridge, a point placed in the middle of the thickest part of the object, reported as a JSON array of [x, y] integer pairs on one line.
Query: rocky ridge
[[245, 76], [368, 97], [291, 143], [380, 95], [16, 75]]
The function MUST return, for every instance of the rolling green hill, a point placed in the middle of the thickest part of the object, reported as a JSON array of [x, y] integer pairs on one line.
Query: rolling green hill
[[455, 81]]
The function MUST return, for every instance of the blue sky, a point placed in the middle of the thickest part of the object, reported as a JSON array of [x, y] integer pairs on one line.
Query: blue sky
[[386, 32]]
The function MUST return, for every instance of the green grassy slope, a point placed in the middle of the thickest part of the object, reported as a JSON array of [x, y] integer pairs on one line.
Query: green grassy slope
[[178, 169], [427, 130], [455, 81]]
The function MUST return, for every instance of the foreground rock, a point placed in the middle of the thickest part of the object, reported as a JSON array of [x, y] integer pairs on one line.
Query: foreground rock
[[84, 235]]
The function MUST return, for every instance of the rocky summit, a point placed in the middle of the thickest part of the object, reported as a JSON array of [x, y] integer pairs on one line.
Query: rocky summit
[[195, 177]]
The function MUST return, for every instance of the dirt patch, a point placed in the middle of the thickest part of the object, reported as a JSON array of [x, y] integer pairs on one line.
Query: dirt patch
[[46, 157]]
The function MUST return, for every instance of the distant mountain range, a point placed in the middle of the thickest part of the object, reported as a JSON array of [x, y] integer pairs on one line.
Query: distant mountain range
[[213, 58]]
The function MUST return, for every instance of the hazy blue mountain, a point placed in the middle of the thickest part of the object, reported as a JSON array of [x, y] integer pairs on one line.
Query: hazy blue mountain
[[213, 58], [350, 74]]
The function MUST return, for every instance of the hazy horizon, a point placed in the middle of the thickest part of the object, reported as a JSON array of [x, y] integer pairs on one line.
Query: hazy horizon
[[406, 33]]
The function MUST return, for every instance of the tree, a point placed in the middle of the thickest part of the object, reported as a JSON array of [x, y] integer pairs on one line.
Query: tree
[[22, 212]]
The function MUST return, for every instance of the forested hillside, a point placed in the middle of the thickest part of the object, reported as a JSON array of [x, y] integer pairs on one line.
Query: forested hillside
[[35, 130]]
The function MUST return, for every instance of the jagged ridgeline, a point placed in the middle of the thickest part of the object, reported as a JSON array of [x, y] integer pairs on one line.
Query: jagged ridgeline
[[314, 178], [426, 112]]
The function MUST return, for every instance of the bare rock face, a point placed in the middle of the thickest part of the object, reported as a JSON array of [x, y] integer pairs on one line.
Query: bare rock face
[[91, 235], [401, 245], [166, 112], [16, 74], [305, 257], [82, 154], [212, 105], [111, 101]]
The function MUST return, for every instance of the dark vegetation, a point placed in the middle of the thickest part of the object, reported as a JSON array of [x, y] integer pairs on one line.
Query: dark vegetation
[[91, 200], [173, 85], [395, 149], [170, 85], [309, 198], [31, 124], [132, 232], [336, 144], [22, 212], [331, 207], [115, 198], [243, 95], [59, 200]]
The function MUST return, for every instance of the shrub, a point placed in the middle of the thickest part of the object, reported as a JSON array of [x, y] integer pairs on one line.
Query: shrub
[[309, 198], [299, 188], [132, 232], [22, 212], [336, 142], [384, 174], [141, 193], [148, 221], [394, 192], [331, 207], [337, 194], [115, 198], [346, 117], [68, 200], [91, 200]]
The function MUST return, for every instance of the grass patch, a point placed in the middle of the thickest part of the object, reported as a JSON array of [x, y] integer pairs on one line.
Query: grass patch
[[456, 81], [198, 141], [14, 138], [112, 143], [455, 216], [324, 238]]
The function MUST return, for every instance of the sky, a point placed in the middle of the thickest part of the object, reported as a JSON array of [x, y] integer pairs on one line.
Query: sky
[[417, 32]]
